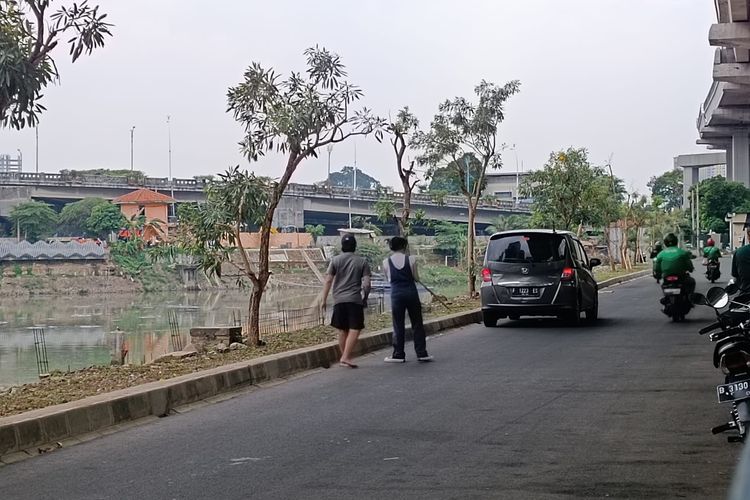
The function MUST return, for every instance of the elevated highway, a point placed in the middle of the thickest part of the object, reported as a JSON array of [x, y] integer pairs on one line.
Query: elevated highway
[[302, 203]]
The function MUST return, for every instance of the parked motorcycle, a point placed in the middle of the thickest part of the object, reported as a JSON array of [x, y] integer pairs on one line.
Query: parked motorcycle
[[731, 334], [676, 301], [713, 271]]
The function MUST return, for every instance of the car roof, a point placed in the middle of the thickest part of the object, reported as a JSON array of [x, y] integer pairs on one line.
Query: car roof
[[531, 231]]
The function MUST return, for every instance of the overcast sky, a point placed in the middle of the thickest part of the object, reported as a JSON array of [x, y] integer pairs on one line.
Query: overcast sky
[[619, 77]]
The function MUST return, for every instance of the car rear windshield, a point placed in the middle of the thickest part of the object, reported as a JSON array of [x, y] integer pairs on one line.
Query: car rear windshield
[[527, 248]]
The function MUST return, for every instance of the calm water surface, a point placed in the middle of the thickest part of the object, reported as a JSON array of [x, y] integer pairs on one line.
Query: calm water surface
[[82, 331]]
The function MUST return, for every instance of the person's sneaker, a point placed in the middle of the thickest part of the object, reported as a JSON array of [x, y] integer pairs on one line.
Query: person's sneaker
[[393, 359], [425, 358]]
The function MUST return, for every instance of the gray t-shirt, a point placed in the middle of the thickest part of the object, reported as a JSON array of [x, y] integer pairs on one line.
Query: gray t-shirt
[[347, 270]]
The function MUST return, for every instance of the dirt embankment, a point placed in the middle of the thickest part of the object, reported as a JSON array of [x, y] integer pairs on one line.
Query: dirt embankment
[[19, 280]]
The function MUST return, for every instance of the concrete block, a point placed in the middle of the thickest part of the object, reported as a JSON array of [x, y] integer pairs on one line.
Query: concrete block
[[259, 372], [100, 416], [8, 439], [238, 376], [158, 401], [55, 427], [78, 421], [120, 410], [190, 391], [220, 382], [205, 387], [29, 434], [139, 406]]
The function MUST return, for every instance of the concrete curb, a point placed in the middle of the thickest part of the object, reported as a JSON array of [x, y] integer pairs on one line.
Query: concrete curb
[[625, 277], [34, 432]]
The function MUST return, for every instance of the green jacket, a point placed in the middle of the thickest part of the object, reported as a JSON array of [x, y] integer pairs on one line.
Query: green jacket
[[712, 253], [672, 261]]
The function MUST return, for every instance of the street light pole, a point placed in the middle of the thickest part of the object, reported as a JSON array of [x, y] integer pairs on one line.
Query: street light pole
[[131, 147], [329, 148], [36, 159], [169, 146]]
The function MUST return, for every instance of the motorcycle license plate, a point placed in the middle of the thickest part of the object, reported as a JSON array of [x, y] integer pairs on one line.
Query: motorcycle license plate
[[672, 291], [733, 392], [526, 292]]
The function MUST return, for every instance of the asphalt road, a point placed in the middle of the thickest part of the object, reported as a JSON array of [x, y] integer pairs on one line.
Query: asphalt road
[[527, 410]]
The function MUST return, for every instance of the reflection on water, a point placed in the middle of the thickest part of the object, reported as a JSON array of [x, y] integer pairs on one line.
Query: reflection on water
[[83, 331]]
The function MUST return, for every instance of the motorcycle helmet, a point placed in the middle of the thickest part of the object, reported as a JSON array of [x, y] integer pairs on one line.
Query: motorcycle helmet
[[670, 240], [710, 243]]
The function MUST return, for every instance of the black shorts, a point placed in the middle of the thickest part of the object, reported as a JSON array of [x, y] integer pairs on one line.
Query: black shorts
[[348, 316]]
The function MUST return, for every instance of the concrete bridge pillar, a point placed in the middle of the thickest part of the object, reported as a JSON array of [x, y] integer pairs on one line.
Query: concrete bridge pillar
[[690, 176], [740, 156]]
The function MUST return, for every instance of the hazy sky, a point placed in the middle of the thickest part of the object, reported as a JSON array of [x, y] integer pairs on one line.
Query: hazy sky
[[620, 77]]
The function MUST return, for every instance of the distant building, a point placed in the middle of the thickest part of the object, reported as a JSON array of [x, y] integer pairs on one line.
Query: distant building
[[9, 164], [505, 185], [712, 171], [154, 206]]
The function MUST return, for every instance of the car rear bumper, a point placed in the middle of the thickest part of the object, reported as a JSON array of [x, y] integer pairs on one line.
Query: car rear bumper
[[504, 310]]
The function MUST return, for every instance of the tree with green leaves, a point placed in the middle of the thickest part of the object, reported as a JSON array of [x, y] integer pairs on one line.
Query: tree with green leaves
[[451, 178], [316, 231], [74, 215], [402, 130], [385, 210], [568, 191], [211, 232], [29, 31], [508, 223], [461, 128], [668, 186], [295, 118], [718, 197], [34, 220], [104, 219], [344, 178]]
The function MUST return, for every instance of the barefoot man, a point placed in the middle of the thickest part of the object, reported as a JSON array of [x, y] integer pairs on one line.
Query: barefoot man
[[349, 276]]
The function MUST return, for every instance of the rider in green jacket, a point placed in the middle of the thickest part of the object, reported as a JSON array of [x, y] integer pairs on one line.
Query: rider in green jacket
[[674, 261]]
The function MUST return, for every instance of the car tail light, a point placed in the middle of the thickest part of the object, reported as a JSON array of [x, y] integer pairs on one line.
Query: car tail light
[[672, 279], [486, 275], [568, 274]]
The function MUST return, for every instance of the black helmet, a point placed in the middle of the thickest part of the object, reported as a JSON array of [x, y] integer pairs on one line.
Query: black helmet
[[670, 240]]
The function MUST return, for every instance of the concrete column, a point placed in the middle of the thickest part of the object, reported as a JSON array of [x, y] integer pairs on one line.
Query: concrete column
[[741, 156], [689, 177], [730, 170]]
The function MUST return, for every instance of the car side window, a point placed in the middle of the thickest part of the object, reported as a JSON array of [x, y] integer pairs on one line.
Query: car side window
[[574, 252], [584, 257]]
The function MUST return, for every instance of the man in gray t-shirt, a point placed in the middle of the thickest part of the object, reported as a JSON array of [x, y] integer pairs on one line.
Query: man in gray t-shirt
[[349, 276]]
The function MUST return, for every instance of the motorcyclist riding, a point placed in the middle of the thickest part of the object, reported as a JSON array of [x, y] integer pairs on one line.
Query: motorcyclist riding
[[711, 253], [674, 261], [741, 263]]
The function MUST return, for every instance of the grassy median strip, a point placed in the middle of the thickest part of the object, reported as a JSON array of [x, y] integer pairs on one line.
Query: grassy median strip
[[62, 387]]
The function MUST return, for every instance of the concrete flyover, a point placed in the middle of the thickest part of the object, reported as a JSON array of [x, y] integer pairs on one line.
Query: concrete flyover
[[302, 204], [724, 117], [691, 166]]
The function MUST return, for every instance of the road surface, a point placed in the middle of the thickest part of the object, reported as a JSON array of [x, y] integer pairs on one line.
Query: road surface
[[529, 410]]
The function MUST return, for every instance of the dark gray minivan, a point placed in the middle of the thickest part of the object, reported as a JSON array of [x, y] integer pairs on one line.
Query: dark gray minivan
[[537, 272]]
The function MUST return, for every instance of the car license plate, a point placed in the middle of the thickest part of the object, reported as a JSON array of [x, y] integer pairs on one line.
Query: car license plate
[[672, 291], [526, 292], [733, 392]]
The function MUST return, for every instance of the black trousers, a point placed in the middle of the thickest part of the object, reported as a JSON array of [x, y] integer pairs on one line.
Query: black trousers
[[400, 304]]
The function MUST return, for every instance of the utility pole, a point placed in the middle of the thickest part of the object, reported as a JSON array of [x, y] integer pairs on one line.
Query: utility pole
[[131, 147], [36, 131], [169, 146], [329, 148]]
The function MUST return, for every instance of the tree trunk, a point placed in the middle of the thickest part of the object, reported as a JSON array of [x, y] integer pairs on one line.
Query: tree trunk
[[253, 310], [265, 242], [403, 222], [470, 268]]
